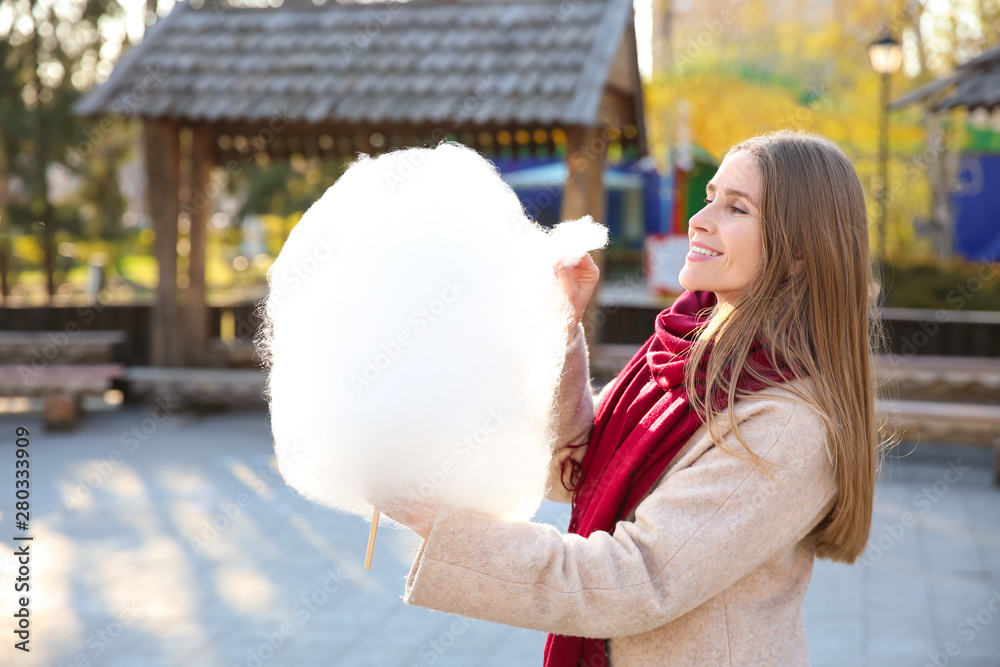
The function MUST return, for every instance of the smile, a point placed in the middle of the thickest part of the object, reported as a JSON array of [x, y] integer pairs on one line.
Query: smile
[[705, 251]]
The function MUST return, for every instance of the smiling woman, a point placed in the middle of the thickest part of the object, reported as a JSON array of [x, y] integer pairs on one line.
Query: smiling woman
[[736, 446], [725, 235]]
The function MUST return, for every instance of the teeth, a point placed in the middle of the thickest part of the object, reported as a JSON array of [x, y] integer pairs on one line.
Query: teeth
[[702, 251]]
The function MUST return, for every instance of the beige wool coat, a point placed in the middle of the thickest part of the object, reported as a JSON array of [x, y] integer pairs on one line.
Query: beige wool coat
[[710, 569]]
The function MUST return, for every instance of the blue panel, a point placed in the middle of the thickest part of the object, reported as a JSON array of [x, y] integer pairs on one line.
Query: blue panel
[[544, 203], [977, 208], [541, 205], [651, 201], [613, 212]]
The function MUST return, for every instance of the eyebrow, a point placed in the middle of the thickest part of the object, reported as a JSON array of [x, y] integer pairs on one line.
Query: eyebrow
[[734, 193]]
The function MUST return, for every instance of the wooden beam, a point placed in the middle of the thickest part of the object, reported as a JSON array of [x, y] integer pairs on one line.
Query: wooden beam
[[162, 148], [281, 134], [200, 205], [616, 108], [584, 194], [623, 64]]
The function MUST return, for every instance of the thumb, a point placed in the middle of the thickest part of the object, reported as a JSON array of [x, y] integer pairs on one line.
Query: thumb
[[565, 276]]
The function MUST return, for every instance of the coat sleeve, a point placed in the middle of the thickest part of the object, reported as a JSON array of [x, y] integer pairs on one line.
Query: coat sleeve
[[573, 410], [700, 530], [572, 414]]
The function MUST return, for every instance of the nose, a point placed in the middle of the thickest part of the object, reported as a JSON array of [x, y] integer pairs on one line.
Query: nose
[[702, 221]]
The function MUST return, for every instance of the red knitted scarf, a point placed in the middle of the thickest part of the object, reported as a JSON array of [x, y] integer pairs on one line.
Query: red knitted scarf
[[638, 429]]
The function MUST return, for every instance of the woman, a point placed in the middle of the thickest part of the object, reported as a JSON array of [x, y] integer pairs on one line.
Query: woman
[[696, 522]]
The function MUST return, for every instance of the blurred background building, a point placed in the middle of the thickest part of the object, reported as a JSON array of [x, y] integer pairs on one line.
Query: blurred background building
[[155, 155]]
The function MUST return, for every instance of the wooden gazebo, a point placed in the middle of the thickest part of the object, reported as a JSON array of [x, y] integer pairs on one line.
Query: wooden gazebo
[[217, 85], [975, 84]]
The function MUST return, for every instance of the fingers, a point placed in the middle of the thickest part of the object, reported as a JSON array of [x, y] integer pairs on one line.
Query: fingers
[[584, 271], [588, 267]]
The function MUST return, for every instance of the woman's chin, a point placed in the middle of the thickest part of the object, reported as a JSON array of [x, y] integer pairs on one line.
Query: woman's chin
[[689, 282]]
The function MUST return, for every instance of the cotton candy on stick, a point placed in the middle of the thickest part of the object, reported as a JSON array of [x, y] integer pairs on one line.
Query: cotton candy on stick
[[414, 332]]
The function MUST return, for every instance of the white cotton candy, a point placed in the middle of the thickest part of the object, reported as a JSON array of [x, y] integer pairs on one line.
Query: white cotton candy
[[572, 239], [415, 331]]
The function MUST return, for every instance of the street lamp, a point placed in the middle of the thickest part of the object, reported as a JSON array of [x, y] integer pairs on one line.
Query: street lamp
[[886, 56]]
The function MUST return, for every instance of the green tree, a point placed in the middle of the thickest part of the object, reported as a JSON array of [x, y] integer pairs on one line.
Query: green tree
[[51, 52]]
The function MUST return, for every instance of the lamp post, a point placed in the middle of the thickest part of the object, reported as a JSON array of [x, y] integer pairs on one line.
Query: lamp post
[[886, 56]]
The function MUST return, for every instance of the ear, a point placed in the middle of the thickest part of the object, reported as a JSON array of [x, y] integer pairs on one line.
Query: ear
[[797, 266]]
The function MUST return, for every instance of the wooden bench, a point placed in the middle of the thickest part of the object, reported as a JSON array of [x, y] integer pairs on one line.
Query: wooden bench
[[59, 367], [59, 347], [238, 353], [200, 387], [940, 378], [958, 423], [930, 399]]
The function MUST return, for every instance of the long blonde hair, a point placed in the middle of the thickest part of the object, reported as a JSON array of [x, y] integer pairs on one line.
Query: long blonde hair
[[808, 305]]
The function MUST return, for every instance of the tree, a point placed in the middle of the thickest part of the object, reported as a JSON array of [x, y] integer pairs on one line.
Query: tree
[[743, 69], [51, 52]]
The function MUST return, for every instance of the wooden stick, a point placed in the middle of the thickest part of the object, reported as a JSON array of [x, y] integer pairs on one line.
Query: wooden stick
[[371, 539]]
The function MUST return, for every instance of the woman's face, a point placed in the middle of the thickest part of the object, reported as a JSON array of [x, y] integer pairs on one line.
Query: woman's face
[[725, 236]]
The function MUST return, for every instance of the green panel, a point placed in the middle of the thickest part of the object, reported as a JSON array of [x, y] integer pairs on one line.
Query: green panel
[[981, 140], [698, 179]]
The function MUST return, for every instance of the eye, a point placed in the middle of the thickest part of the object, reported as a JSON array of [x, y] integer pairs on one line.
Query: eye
[[707, 200], [738, 210]]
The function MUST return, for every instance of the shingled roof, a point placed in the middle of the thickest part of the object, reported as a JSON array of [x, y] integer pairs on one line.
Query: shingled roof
[[419, 62], [975, 84]]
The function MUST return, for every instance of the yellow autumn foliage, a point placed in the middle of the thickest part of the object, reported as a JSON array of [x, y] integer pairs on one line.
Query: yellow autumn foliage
[[763, 76]]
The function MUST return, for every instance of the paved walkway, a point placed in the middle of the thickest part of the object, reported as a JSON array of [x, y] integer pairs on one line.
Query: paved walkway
[[172, 544]]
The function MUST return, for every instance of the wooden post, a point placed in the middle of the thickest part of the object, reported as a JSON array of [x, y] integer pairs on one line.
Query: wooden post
[[196, 310], [996, 462], [584, 194], [162, 148], [4, 262]]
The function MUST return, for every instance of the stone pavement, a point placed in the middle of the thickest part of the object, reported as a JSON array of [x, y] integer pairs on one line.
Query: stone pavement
[[170, 543], [927, 590]]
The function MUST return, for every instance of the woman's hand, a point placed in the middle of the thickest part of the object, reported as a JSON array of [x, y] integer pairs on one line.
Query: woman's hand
[[415, 513], [578, 282]]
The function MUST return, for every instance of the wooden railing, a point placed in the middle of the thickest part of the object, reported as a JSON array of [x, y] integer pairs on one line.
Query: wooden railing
[[910, 332]]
